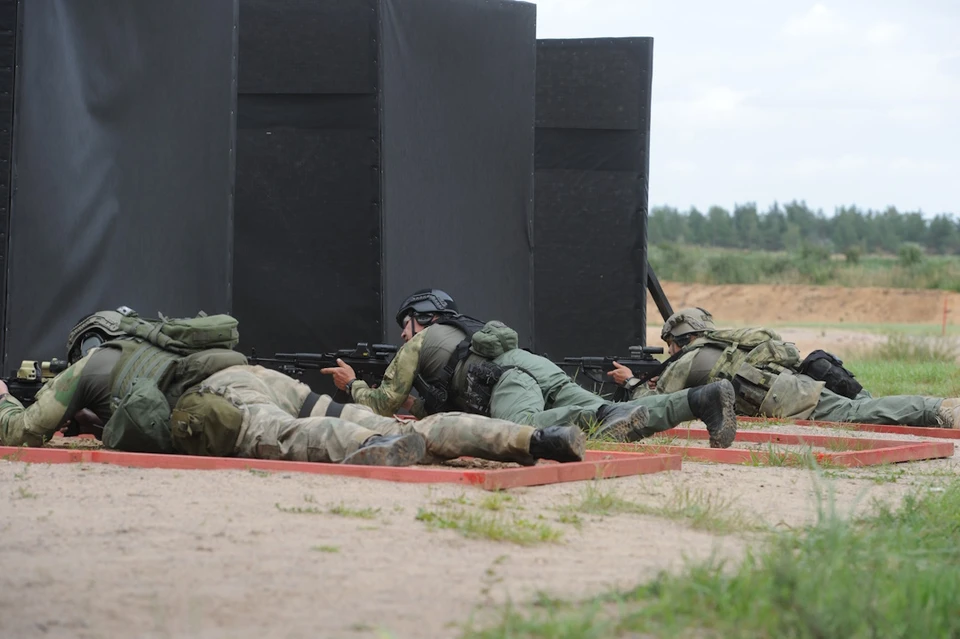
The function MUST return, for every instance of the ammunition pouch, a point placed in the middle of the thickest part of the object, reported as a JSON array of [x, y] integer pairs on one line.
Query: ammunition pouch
[[481, 378], [774, 391], [826, 367]]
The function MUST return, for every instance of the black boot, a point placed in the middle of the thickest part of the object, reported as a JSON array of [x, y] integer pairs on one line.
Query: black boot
[[559, 443], [622, 422], [390, 450], [713, 404]]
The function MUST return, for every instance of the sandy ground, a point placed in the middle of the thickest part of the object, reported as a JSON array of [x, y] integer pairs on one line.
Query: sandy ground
[[101, 551]]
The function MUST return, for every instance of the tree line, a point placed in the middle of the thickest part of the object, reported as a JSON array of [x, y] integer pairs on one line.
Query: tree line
[[792, 226]]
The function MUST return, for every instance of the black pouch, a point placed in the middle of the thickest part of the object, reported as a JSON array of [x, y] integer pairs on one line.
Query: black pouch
[[825, 367], [481, 378]]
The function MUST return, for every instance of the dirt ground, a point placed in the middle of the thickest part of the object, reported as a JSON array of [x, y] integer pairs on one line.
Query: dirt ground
[[100, 551]]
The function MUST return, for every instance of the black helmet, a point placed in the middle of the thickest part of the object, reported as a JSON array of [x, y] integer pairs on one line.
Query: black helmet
[[94, 330], [427, 301]]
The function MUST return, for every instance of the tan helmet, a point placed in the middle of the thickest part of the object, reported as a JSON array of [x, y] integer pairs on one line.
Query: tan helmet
[[93, 331], [685, 321]]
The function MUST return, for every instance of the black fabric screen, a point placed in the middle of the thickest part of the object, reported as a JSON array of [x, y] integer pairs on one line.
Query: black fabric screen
[[307, 244], [9, 32], [592, 158], [123, 164], [383, 147], [458, 94]]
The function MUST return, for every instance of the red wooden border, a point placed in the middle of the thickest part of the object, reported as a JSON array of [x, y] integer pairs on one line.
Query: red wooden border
[[919, 431], [598, 464], [862, 451]]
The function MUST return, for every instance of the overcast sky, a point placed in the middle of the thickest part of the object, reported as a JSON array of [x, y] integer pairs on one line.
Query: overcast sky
[[835, 102]]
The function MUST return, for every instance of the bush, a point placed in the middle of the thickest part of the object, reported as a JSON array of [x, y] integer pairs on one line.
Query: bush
[[910, 254]]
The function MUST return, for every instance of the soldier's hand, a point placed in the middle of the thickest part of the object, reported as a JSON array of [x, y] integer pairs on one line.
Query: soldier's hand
[[620, 373], [652, 383], [3, 388], [408, 402], [342, 373]]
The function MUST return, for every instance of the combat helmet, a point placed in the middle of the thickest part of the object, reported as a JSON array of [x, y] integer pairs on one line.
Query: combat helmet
[[427, 302], [686, 321], [94, 330]]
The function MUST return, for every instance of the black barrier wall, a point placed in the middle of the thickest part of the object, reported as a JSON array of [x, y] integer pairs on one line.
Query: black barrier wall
[[123, 165], [592, 159], [383, 146], [9, 32]]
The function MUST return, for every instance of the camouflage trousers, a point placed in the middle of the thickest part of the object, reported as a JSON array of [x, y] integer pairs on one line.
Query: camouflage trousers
[[540, 393], [270, 402]]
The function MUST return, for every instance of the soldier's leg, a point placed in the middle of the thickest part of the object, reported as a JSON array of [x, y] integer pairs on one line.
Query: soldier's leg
[[517, 398], [232, 413], [906, 410], [666, 411]]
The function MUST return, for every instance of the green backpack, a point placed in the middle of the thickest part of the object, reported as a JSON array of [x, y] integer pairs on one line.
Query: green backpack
[[184, 335], [759, 347]]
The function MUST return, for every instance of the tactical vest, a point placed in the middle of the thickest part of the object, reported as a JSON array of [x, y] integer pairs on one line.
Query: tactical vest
[[139, 359], [441, 352], [761, 367], [451, 372]]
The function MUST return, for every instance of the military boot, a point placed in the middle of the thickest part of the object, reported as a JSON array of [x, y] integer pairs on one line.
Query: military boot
[[559, 443], [948, 415], [622, 422], [713, 404], [390, 450]]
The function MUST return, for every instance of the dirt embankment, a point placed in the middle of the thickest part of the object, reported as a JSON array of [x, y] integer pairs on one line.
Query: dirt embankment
[[792, 309], [786, 304]]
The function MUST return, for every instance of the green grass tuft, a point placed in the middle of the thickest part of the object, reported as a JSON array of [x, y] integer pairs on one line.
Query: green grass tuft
[[493, 526]]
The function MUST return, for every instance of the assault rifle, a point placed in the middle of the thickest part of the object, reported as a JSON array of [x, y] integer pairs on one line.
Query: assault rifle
[[370, 361], [25, 382], [595, 369]]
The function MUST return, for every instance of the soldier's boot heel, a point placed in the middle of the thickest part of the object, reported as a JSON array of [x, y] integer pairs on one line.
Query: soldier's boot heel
[[714, 404], [622, 422], [948, 416], [390, 450], [558, 443]]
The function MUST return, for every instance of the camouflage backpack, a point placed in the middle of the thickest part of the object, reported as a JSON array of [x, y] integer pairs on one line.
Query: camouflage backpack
[[759, 347]]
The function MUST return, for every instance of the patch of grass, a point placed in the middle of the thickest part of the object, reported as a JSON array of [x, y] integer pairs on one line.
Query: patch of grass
[[497, 501], [259, 473], [892, 574], [326, 549], [360, 513], [22, 492], [492, 526], [700, 509], [299, 510]]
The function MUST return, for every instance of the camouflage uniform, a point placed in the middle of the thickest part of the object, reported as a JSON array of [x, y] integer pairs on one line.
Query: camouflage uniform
[[536, 392], [270, 401], [798, 396], [266, 404]]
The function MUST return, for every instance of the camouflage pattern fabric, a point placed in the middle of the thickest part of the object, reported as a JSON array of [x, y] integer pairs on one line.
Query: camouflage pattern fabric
[[268, 402], [449, 435], [36, 424], [397, 382], [818, 402], [270, 429]]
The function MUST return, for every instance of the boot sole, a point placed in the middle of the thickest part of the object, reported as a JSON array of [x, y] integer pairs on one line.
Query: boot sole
[[629, 428], [724, 437], [406, 451]]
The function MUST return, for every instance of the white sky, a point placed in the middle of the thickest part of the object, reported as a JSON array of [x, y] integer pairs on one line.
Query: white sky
[[835, 102]]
